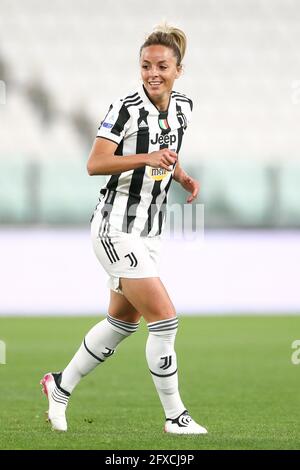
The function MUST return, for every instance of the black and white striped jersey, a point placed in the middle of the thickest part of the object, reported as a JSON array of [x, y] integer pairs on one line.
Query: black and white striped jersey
[[135, 201]]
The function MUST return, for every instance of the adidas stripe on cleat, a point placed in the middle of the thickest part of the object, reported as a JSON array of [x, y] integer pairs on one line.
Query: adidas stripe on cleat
[[57, 399], [184, 424]]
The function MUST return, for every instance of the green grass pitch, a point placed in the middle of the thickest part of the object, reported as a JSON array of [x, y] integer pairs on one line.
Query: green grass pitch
[[236, 378]]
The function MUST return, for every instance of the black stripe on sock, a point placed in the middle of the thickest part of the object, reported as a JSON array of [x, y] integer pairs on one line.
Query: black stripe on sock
[[166, 375], [121, 322], [121, 327], [163, 322], [90, 352], [167, 328]]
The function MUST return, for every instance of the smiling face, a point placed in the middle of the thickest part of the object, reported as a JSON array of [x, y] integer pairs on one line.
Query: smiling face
[[159, 69]]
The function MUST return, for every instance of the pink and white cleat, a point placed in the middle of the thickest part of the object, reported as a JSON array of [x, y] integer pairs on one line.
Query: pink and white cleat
[[58, 401]]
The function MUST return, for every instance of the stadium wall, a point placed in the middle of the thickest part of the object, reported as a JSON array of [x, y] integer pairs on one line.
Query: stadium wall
[[55, 272]]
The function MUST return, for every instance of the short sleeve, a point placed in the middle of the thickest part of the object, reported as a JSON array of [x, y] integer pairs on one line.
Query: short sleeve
[[115, 123], [184, 108], [189, 110]]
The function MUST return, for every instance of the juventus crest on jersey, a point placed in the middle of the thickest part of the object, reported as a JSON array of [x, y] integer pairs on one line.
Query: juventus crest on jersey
[[135, 201]]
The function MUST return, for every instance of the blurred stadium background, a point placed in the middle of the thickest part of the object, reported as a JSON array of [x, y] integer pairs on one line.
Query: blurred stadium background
[[61, 65]]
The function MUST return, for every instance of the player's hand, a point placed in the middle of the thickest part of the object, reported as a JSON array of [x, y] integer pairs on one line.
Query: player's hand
[[190, 185], [163, 158]]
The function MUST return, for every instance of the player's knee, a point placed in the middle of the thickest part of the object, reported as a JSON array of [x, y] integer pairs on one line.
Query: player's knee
[[167, 316], [162, 315]]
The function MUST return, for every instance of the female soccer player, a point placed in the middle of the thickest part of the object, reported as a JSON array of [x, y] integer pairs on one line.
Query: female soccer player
[[137, 144]]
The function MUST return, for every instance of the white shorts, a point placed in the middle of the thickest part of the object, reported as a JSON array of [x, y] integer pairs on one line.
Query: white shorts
[[123, 254]]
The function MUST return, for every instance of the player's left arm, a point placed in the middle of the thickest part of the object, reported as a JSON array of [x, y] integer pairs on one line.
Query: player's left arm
[[187, 182]]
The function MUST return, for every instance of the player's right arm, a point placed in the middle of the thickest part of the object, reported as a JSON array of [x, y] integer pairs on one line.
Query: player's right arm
[[103, 161]]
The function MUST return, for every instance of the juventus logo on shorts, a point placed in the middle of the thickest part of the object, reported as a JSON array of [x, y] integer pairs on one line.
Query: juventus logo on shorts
[[167, 362], [133, 260]]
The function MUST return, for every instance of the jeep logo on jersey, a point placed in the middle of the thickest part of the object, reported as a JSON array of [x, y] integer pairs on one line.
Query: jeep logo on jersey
[[163, 139], [157, 174]]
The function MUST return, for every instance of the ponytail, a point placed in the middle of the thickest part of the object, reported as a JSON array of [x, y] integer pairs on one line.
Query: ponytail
[[169, 36]]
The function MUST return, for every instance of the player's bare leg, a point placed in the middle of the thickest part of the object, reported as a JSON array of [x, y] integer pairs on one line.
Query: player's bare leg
[[121, 309], [150, 298]]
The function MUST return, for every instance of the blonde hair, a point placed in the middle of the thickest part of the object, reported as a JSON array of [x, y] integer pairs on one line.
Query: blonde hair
[[169, 36]]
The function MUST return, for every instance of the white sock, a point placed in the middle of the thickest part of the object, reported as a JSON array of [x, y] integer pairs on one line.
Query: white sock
[[99, 343], [161, 358]]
